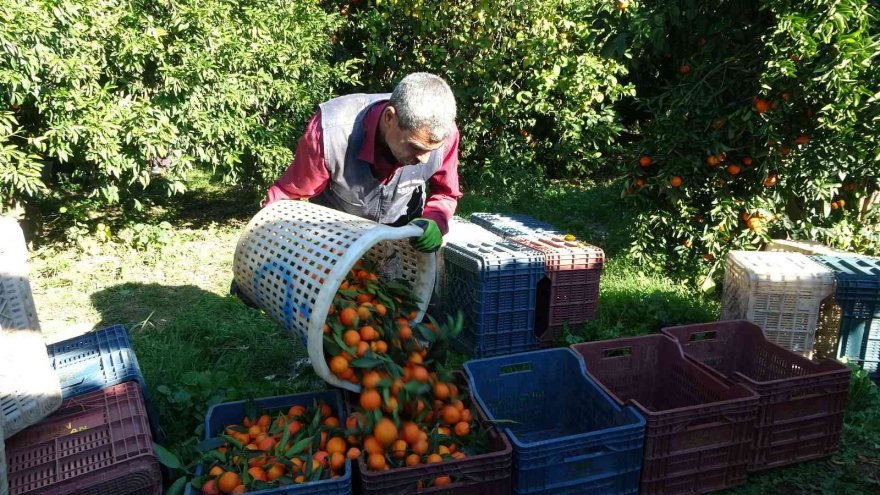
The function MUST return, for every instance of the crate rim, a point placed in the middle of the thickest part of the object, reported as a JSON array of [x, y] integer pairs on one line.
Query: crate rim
[[840, 368], [618, 408], [750, 396]]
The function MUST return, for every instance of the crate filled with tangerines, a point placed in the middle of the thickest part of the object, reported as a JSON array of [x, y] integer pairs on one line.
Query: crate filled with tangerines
[[286, 444], [412, 426]]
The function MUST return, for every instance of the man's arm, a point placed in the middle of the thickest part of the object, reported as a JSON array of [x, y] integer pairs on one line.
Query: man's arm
[[443, 187], [307, 175]]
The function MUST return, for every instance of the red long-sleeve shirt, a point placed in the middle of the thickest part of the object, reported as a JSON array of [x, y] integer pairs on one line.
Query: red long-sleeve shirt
[[307, 175]]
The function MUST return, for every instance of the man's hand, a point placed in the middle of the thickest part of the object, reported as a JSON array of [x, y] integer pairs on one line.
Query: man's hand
[[430, 239]]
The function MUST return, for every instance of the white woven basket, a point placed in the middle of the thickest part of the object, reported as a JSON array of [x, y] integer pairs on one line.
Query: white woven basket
[[293, 255], [803, 247], [779, 291], [29, 387]]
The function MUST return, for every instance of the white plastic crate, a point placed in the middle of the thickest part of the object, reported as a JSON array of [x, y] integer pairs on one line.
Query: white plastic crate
[[29, 387], [779, 291], [293, 255], [803, 247]]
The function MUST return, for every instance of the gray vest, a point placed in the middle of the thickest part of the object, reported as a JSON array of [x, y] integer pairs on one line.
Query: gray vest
[[352, 187]]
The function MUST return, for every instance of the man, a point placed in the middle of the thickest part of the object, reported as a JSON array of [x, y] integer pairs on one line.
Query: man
[[390, 158]]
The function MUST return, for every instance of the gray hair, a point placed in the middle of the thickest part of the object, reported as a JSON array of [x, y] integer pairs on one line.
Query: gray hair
[[424, 101]]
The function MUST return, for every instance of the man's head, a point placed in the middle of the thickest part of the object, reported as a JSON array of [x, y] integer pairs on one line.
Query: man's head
[[419, 117]]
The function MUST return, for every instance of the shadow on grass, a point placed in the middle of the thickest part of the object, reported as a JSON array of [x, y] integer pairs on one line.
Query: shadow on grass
[[196, 349]]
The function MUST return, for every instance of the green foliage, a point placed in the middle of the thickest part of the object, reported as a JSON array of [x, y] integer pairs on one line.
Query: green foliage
[[107, 91], [535, 94], [768, 113]]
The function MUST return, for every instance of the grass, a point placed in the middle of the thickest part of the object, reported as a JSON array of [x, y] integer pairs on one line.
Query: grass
[[198, 346]]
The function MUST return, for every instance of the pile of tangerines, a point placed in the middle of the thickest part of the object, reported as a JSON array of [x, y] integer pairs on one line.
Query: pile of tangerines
[[300, 445], [411, 410]]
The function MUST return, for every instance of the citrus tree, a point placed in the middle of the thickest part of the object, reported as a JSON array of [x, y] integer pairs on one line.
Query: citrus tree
[[756, 120], [98, 93], [535, 92]]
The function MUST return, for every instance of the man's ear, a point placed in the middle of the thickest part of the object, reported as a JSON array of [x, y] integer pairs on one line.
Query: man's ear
[[389, 116]]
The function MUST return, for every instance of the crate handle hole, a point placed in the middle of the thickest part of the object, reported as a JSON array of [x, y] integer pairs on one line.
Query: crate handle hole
[[516, 368], [617, 352], [698, 336]]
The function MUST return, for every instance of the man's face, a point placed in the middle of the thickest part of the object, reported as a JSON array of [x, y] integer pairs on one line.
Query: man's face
[[408, 147]]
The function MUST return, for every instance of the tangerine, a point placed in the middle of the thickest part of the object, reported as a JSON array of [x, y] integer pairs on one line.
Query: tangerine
[[228, 481]]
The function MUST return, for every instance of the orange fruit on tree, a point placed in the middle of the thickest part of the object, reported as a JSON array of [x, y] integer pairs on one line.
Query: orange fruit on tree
[[338, 365], [761, 105], [747, 161], [802, 140], [370, 400], [834, 205], [639, 182], [405, 332], [675, 181], [385, 432], [228, 481], [348, 316], [442, 481], [376, 462], [645, 161], [771, 180], [755, 223], [734, 169], [784, 150], [711, 160]]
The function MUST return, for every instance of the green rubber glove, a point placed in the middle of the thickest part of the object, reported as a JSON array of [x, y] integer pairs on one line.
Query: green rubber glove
[[430, 239]]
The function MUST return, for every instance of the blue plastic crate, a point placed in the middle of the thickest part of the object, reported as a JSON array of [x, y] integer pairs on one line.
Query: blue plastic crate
[[222, 415], [857, 293], [513, 225], [857, 277], [97, 360], [494, 283], [569, 436]]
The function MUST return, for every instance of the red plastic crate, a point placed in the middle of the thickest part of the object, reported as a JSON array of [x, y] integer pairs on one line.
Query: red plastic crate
[[801, 402], [484, 474], [97, 444], [573, 270], [699, 426]]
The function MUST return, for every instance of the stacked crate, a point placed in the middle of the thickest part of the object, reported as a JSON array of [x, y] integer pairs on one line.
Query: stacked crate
[[97, 443], [801, 403], [852, 320], [569, 292], [780, 292], [699, 426], [493, 282], [568, 436]]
